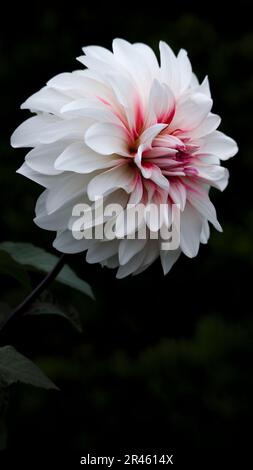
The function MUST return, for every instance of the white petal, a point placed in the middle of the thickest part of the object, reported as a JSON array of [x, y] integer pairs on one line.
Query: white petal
[[43, 180], [159, 179], [190, 112], [149, 134], [66, 81], [47, 100], [219, 144], [132, 60], [205, 88], [194, 81], [133, 264], [80, 84], [185, 70], [136, 194], [214, 175], [118, 177], [57, 220], [92, 108], [205, 233], [45, 129], [151, 250], [66, 243], [112, 262], [191, 227], [200, 200], [42, 158], [169, 67], [168, 259], [207, 126], [161, 104], [100, 251], [79, 158], [127, 97], [101, 67], [149, 57], [177, 192], [107, 139], [100, 53], [129, 248], [68, 187]]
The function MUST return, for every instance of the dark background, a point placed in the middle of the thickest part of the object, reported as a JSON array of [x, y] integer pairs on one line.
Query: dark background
[[163, 362]]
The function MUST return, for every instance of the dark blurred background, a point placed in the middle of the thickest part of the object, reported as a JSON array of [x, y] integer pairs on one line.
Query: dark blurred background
[[163, 362]]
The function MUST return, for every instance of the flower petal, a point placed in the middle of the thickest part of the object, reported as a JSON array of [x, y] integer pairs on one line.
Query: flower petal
[[47, 100], [107, 139], [219, 144], [191, 227], [45, 129], [42, 158], [79, 158], [67, 188], [118, 177], [129, 248], [190, 112], [199, 199], [168, 259]]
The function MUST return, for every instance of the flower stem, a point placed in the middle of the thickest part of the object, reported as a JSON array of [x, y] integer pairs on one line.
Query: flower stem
[[27, 302]]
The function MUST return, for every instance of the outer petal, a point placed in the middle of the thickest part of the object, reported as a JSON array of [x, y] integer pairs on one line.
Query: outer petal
[[79, 158], [46, 129], [132, 60], [129, 248], [67, 188], [185, 70], [100, 251], [44, 180], [57, 220], [169, 68], [149, 57], [199, 199], [191, 227], [219, 144], [66, 243], [168, 259], [133, 264], [205, 233], [42, 158], [191, 111], [207, 126], [47, 100]]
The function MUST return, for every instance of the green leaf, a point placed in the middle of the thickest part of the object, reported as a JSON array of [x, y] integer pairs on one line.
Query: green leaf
[[9, 267], [14, 367], [35, 257], [47, 308]]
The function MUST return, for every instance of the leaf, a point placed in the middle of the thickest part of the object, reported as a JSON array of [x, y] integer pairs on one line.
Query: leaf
[[30, 255], [14, 367], [47, 308], [9, 267]]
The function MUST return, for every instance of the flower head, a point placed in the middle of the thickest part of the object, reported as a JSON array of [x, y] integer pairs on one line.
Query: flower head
[[130, 131]]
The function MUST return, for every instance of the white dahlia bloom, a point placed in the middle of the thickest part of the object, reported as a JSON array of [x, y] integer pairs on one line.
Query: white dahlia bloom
[[130, 131]]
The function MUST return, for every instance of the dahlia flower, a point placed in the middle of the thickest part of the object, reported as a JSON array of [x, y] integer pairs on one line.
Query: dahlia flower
[[130, 131]]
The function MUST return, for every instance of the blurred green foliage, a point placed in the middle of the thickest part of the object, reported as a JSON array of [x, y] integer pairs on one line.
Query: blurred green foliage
[[161, 361]]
